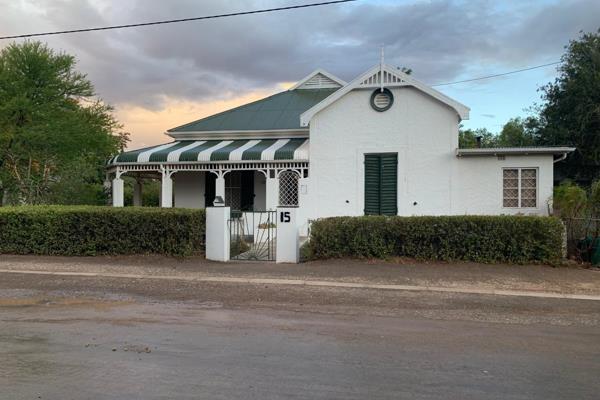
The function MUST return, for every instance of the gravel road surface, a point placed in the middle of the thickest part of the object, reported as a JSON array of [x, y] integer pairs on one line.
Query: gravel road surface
[[67, 337]]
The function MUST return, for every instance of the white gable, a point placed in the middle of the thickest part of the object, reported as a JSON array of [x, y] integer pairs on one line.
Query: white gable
[[384, 76], [319, 79], [374, 80]]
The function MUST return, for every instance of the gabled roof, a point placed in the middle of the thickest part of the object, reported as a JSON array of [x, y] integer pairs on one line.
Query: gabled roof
[[279, 112], [319, 79], [384, 75]]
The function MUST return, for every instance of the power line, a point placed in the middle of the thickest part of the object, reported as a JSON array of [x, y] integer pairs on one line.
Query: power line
[[172, 21], [261, 11], [501, 74]]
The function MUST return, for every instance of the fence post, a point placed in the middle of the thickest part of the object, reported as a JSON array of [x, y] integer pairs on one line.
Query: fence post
[[565, 240], [217, 233], [288, 249]]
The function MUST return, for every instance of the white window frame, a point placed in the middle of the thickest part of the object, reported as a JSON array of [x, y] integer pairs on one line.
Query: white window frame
[[537, 188]]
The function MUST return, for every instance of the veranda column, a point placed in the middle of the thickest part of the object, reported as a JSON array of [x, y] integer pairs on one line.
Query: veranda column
[[137, 193], [166, 192], [118, 190], [272, 191], [220, 185]]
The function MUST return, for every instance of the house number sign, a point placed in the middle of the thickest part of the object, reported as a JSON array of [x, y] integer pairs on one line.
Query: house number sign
[[284, 216]]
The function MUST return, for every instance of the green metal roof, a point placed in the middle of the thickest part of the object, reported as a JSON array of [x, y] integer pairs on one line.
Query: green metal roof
[[277, 112]]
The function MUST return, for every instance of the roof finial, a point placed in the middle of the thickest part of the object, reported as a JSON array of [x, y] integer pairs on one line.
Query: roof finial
[[381, 63]]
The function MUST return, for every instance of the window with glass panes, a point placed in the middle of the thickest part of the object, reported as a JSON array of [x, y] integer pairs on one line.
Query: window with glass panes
[[519, 187]]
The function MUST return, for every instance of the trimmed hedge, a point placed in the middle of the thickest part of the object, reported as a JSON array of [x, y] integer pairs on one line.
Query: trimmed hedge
[[89, 230], [488, 239]]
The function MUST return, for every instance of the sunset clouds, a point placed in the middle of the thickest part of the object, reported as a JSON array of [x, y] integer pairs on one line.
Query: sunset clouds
[[164, 76]]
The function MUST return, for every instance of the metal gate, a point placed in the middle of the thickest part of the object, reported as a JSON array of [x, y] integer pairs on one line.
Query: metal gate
[[252, 235]]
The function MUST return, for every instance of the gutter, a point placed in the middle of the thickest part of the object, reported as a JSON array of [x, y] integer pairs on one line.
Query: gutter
[[561, 158], [515, 151]]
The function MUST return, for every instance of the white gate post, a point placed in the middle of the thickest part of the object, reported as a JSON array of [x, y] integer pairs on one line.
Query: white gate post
[[217, 233], [288, 248]]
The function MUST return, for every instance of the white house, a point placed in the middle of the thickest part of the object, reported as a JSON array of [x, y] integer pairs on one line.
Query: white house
[[384, 143]]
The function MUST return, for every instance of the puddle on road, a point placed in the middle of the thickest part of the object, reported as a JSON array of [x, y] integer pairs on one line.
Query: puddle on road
[[61, 302]]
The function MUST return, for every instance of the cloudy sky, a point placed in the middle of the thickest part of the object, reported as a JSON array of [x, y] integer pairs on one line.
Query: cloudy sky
[[163, 76]]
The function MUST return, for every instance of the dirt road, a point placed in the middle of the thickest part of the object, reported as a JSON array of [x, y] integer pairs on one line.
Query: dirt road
[[65, 337]]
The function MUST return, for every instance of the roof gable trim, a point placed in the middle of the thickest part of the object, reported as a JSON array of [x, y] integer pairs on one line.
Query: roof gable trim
[[392, 77], [319, 79]]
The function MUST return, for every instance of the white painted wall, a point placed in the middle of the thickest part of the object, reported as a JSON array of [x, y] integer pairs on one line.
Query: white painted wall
[[424, 133], [479, 184], [188, 187], [271, 193], [304, 205]]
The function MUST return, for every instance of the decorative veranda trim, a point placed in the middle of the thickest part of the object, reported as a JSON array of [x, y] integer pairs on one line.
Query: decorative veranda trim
[[220, 169]]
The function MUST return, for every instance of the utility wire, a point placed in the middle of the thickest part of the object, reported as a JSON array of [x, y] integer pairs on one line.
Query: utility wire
[[501, 74], [261, 11], [172, 21]]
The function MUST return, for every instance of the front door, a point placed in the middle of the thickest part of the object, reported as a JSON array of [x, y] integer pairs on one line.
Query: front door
[[239, 190], [247, 192]]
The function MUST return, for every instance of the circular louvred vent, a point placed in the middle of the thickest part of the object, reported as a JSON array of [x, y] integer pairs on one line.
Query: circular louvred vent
[[382, 100]]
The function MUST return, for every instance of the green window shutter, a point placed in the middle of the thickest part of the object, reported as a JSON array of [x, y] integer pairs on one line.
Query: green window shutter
[[389, 184], [381, 184], [372, 187]]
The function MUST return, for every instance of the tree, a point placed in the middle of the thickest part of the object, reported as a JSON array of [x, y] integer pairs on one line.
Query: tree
[[580, 209], [571, 112], [55, 135], [518, 132], [467, 138]]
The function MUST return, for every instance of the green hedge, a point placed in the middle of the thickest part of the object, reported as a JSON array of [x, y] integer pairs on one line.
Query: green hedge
[[89, 230], [490, 239]]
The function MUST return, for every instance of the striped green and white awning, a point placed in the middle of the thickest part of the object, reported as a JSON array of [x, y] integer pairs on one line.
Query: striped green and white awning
[[205, 151]]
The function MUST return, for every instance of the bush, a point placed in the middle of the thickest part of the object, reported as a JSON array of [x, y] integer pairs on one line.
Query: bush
[[89, 230], [580, 209], [570, 200], [514, 239]]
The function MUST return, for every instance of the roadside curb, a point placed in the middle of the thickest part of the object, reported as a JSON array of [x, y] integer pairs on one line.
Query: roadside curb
[[317, 283]]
